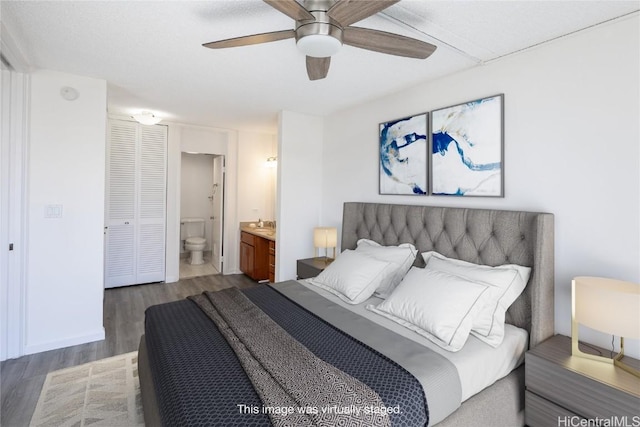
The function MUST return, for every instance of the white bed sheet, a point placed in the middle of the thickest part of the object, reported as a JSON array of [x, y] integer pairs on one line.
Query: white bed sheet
[[479, 365]]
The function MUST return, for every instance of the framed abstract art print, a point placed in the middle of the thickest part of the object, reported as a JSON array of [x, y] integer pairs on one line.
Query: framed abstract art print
[[467, 145], [403, 155]]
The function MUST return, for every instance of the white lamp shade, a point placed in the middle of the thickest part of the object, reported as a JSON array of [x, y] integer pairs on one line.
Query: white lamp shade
[[325, 237], [607, 305]]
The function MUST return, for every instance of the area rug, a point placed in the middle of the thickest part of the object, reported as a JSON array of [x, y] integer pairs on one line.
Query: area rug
[[101, 393]]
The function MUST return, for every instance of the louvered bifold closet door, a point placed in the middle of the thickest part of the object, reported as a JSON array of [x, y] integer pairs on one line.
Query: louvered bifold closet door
[[136, 204], [152, 204], [120, 221]]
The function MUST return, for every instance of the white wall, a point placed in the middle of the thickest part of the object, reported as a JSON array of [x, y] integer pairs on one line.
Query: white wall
[[172, 245], [299, 197], [571, 148], [256, 181], [65, 255], [196, 185]]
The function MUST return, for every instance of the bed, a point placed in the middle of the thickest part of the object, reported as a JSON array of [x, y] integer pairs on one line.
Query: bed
[[189, 374]]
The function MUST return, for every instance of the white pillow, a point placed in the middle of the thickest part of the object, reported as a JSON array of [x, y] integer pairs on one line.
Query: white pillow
[[437, 305], [401, 256], [506, 283], [353, 276]]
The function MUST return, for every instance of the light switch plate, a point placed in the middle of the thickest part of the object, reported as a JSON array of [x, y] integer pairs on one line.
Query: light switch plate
[[53, 211]]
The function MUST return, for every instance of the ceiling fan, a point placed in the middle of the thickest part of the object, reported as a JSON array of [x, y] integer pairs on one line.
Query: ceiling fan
[[323, 26]]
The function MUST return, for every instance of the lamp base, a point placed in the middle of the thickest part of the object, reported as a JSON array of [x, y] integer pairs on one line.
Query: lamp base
[[325, 260], [615, 361]]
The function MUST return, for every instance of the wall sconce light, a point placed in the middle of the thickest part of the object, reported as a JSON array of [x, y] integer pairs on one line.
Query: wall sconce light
[[146, 118], [272, 162], [325, 237], [609, 306]]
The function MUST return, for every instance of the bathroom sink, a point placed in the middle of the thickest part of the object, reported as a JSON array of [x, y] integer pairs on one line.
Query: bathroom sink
[[266, 231]]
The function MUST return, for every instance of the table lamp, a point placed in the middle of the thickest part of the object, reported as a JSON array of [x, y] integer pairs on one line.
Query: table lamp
[[606, 305], [325, 237]]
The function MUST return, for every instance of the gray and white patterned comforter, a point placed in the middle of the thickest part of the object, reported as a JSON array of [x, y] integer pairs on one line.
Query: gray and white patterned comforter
[[199, 380]]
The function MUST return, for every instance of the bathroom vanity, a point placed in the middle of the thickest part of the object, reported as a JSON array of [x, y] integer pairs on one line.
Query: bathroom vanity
[[258, 252]]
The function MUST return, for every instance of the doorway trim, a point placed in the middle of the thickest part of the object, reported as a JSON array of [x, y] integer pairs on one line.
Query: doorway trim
[[209, 140], [219, 172], [13, 227]]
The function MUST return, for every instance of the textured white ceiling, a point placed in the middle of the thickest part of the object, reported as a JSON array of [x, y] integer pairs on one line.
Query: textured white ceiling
[[151, 55]]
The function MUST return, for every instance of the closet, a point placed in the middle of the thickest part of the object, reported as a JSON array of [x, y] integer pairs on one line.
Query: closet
[[135, 206]]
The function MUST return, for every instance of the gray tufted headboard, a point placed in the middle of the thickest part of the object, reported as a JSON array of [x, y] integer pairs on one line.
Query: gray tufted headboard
[[481, 236]]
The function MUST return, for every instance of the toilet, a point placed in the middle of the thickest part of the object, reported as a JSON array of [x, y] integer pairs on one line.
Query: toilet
[[192, 233]]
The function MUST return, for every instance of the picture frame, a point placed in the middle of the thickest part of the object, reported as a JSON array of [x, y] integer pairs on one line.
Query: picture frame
[[403, 155], [467, 149]]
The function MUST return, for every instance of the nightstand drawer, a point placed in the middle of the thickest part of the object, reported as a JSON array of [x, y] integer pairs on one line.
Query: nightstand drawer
[[306, 271], [588, 388], [577, 392], [311, 267], [540, 412]]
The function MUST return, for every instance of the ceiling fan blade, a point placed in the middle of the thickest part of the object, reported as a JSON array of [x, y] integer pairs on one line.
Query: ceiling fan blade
[[317, 68], [291, 8], [346, 12], [253, 39], [389, 43]]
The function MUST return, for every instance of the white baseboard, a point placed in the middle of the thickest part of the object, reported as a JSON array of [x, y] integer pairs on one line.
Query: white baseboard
[[67, 342]]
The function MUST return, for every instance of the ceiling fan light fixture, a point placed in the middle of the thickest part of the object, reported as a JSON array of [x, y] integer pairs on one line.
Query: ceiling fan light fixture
[[319, 45], [146, 118], [323, 25]]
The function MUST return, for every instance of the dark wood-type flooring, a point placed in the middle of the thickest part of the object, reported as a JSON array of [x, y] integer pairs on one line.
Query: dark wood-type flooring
[[21, 379]]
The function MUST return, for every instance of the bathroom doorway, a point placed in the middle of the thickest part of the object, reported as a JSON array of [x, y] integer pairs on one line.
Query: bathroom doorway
[[202, 196]]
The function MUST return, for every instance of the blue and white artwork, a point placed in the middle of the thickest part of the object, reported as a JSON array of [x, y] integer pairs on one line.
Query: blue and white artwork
[[403, 156], [467, 141]]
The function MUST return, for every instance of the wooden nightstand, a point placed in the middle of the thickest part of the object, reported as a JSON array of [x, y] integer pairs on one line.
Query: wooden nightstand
[[311, 267], [562, 389]]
